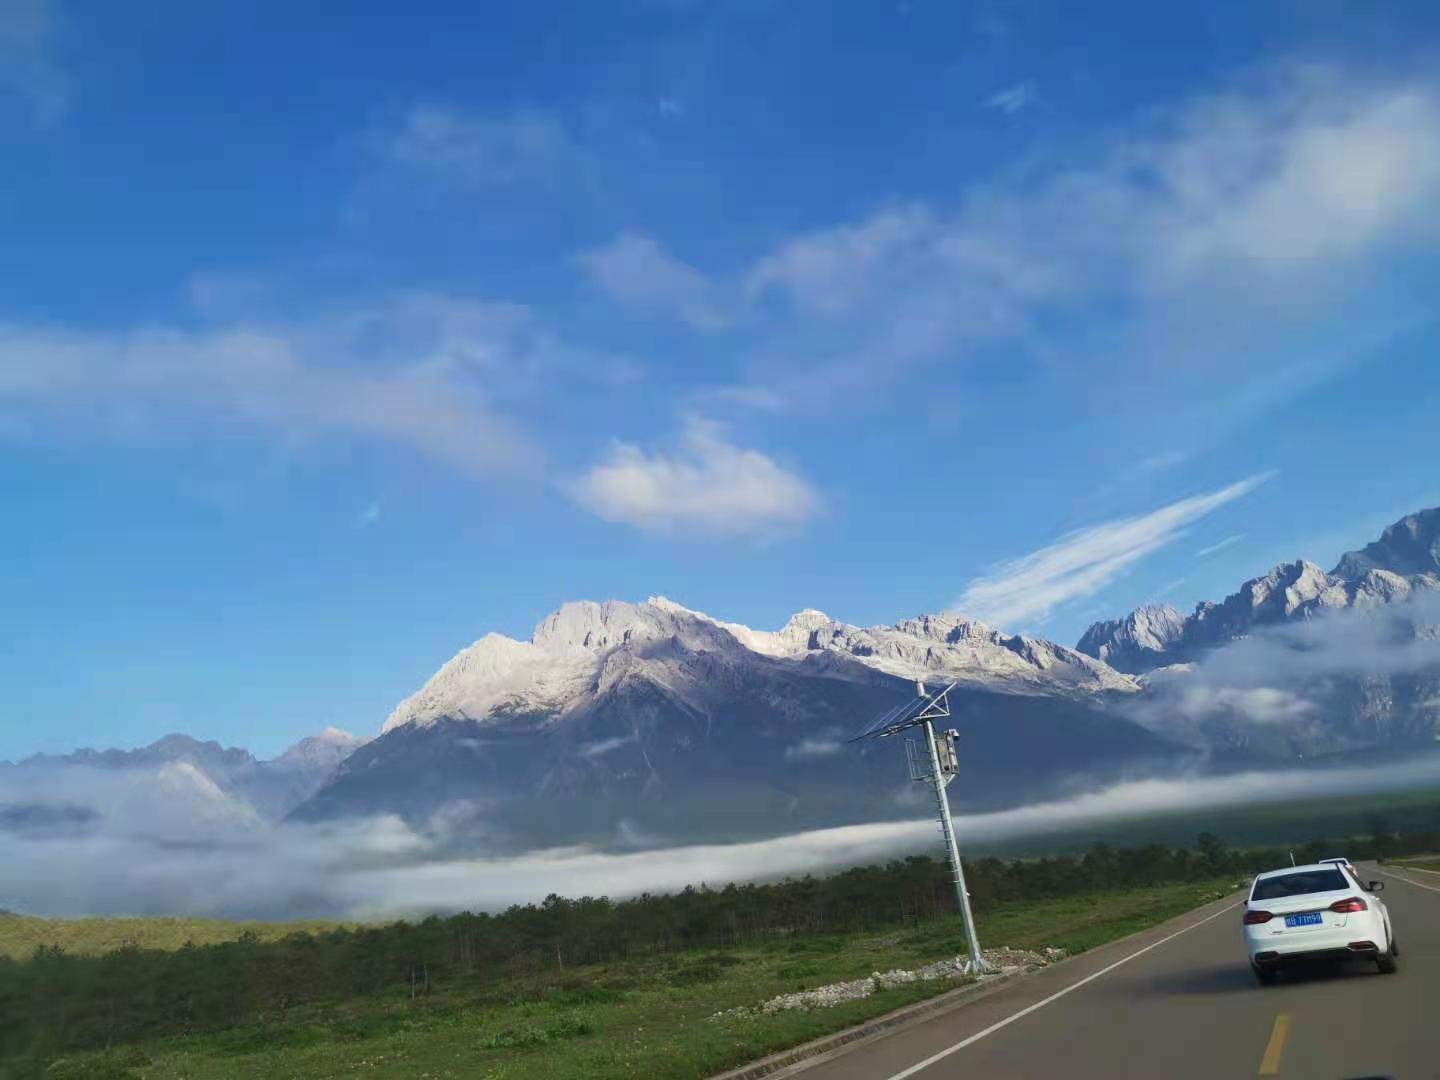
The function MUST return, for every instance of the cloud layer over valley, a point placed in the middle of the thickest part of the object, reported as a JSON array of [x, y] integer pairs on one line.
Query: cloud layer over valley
[[154, 861]]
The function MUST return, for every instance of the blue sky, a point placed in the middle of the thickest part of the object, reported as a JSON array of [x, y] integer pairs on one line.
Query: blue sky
[[335, 336]]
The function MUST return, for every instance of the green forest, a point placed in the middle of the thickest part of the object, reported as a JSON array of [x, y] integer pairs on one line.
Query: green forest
[[55, 1002]]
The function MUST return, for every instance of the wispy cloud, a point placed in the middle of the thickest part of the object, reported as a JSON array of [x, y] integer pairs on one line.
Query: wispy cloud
[[417, 370], [1170, 586], [709, 486], [813, 749], [29, 69], [827, 271], [1219, 545], [1258, 704], [508, 148], [1166, 459], [1086, 561], [601, 747], [637, 271], [1275, 202], [1012, 99]]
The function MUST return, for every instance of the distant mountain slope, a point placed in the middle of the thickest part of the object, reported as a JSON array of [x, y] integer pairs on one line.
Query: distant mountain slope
[[177, 774]]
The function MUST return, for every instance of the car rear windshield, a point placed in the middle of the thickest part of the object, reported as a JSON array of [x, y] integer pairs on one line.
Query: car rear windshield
[[1298, 884]]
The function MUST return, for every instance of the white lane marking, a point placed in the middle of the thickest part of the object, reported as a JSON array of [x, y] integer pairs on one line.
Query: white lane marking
[[963, 1043], [1402, 877], [1418, 869]]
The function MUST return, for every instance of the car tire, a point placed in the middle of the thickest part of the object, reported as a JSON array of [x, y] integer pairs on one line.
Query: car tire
[[1386, 960], [1265, 976]]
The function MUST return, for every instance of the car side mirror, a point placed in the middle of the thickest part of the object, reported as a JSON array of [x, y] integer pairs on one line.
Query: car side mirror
[[1376, 886]]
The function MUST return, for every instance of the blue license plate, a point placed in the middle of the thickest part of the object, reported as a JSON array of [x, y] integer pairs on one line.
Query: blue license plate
[[1310, 918]]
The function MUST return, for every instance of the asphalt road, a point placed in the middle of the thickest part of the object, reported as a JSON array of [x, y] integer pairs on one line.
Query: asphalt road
[[1187, 1008]]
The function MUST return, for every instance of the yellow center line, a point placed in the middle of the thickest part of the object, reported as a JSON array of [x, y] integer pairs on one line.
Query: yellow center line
[[1270, 1063]]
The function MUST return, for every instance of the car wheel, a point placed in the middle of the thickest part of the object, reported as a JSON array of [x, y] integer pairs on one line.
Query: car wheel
[[1386, 960], [1265, 976]]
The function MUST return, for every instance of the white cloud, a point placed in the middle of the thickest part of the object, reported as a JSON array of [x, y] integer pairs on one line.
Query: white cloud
[[1258, 704], [1013, 99], [1086, 561], [1228, 247], [826, 271], [601, 747], [637, 271], [1290, 673], [1167, 459], [1219, 545], [28, 67], [416, 370], [813, 749], [710, 486]]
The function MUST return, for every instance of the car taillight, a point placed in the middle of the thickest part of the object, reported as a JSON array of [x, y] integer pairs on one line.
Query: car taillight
[[1353, 903], [1253, 917]]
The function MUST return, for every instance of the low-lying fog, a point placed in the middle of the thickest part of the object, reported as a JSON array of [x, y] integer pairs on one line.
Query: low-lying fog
[[159, 862]]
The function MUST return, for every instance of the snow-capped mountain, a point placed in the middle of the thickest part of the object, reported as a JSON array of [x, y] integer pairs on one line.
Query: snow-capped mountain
[[1404, 562], [1409, 547], [618, 719], [319, 754], [580, 651], [1138, 641], [176, 777], [1298, 662]]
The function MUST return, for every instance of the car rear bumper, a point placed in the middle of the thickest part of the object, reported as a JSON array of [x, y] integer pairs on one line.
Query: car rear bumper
[[1274, 957]]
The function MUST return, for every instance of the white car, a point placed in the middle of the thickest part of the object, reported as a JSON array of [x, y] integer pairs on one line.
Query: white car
[[1343, 863], [1316, 912]]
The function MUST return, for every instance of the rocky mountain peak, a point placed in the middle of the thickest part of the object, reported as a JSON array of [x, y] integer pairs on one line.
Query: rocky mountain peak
[[1408, 547], [1287, 588], [1132, 642], [323, 751]]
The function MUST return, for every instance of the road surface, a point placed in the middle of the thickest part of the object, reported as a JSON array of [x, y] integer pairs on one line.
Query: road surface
[[1180, 1003]]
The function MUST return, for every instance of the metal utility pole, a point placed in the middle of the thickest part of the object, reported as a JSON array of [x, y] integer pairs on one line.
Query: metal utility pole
[[952, 849], [936, 763]]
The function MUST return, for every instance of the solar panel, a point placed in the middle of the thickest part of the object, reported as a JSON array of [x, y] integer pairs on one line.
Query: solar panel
[[906, 715]]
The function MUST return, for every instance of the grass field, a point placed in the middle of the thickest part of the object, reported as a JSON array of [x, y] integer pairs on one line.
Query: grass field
[[1420, 862], [21, 934], [640, 1018]]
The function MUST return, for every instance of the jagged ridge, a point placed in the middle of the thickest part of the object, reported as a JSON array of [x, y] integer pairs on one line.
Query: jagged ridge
[[578, 651], [1405, 559]]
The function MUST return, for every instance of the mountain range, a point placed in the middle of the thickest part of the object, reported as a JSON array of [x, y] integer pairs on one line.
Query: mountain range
[[619, 724], [1403, 562], [176, 775]]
